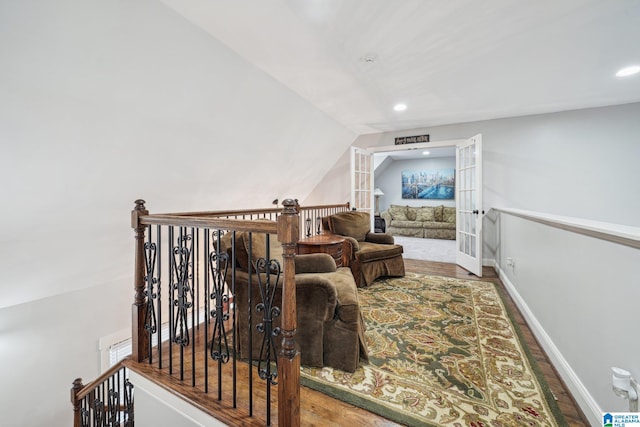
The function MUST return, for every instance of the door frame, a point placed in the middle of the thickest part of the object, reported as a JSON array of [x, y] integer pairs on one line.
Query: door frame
[[469, 211], [418, 146], [356, 199]]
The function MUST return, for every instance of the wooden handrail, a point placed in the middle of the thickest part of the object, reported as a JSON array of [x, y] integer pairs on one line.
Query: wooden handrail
[[85, 389], [238, 212], [260, 226]]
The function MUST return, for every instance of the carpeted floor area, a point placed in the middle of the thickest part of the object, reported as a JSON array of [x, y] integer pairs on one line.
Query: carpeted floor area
[[438, 250]]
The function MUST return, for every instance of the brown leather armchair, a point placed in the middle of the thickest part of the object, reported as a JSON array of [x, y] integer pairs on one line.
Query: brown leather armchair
[[330, 325], [370, 255]]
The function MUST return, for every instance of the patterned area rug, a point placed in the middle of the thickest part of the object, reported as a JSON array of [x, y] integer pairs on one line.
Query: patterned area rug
[[443, 352]]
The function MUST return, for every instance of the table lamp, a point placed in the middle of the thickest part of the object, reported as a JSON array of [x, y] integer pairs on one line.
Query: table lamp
[[378, 192]]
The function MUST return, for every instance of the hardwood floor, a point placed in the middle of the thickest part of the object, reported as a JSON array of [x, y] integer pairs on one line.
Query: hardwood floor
[[318, 409]]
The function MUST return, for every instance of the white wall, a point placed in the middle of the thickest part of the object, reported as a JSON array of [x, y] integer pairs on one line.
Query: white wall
[[104, 102], [583, 294], [577, 163], [389, 181], [155, 406], [581, 164]]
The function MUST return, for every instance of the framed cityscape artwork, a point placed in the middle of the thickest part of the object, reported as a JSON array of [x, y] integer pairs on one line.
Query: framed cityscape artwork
[[429, 184]]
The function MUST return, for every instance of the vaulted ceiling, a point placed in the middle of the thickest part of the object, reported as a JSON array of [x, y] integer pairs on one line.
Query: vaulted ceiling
[[449, 61]]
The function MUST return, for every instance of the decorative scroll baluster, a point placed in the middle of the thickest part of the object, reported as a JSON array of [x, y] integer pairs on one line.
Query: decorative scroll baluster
[[267, 270], [218, 267], [113, 402], [85, 417], [267, 288], [128, 403], [150, 319], [99, 418], [183, 301]]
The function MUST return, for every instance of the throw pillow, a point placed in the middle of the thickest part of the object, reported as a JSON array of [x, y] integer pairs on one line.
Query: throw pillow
[[437, 213], [426, 213], [412, 213], [398, 212], [449, 215]]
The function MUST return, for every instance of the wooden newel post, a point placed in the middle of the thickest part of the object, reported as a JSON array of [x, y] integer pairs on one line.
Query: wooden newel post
[[139, 337], [289, 358], [77, 386]]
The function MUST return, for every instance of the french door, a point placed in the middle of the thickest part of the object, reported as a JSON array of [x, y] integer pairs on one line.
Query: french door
[[469, 204], [362, 181]]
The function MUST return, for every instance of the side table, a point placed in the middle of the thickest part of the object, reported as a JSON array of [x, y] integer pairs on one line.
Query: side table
[[379, 224], [323, 243]]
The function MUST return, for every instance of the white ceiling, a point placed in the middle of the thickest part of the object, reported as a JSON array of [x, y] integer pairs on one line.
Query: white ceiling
[[450, 61]]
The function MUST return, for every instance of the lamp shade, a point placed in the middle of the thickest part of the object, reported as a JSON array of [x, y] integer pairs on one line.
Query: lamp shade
[[378, 192]]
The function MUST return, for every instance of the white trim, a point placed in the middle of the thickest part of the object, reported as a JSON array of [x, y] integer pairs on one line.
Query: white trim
[[583, 398]]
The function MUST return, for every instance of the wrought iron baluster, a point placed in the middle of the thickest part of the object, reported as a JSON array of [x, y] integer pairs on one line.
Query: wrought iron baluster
[[266, 271], [159, 294], [251, 271], [170, 295], [150, 318], [184, 299], [85, 414], [99, 418], [112, 405], [194, 295], [207, 305], [218, 267], [268, 361], [128, 402]]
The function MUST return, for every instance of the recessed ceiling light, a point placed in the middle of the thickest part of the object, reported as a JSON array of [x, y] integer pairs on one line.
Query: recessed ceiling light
[[400, 107], [369, 58], [628, 71], [426, 153]]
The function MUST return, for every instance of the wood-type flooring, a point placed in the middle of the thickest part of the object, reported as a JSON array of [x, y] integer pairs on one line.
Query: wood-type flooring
[[317, 409]]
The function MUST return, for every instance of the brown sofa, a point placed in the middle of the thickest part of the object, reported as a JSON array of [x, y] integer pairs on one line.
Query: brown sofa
[[330, 325], [432, 222], [369, 255]]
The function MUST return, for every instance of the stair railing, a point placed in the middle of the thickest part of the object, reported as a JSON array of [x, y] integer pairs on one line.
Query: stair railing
[[107, 401], [195, 290]]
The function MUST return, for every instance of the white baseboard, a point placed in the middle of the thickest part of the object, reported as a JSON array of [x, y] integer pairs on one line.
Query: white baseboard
[[583, 398]]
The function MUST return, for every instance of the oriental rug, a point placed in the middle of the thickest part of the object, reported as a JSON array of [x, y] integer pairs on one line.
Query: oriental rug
[[442, 352]]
